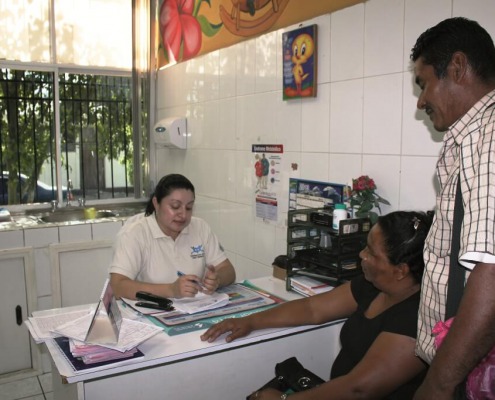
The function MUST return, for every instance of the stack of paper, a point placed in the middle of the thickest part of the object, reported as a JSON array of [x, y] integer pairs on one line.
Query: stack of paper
[[41, 327], [308, 286], [132, 333], [91, 354], [77, 364], [201, 302]]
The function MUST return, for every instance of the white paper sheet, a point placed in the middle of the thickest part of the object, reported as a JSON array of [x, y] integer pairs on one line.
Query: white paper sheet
[[201, 302], [132, 333], [41, 327]]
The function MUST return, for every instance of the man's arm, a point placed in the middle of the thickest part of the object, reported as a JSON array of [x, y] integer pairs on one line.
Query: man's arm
[[470, 338]]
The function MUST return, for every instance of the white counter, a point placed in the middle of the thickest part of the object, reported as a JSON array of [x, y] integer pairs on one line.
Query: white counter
[[184, 367]]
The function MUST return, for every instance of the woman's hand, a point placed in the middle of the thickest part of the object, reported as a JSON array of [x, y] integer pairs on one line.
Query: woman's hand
[[238, 327], [186, 286], [266, 394], [211, 280]]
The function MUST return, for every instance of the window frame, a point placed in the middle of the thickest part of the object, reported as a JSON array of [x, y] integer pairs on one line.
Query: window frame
[[141, 133], [56, 70]]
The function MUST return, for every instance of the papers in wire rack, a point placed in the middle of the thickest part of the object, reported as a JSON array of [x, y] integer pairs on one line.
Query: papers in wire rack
[[307, 286]]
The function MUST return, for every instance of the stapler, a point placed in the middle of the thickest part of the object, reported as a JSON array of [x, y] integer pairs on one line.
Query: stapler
[[154, 301]]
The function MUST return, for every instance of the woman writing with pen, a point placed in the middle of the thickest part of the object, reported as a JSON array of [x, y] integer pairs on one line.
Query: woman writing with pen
[[166, 251]]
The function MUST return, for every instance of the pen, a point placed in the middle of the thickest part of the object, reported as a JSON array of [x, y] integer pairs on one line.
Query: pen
[[180, 273]]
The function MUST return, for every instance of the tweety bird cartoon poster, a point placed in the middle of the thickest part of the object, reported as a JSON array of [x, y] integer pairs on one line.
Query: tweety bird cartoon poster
[[299, 63]]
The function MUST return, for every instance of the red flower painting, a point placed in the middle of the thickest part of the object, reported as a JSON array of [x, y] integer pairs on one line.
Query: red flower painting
[[180, 30]]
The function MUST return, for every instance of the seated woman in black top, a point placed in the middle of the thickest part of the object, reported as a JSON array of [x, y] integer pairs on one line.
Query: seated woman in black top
[[377, 357]]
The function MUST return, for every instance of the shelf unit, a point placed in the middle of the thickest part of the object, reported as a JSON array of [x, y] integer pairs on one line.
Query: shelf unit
[[334, 264]]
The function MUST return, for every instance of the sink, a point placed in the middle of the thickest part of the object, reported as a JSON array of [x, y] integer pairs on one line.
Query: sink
[[63, 215], [74, 214]]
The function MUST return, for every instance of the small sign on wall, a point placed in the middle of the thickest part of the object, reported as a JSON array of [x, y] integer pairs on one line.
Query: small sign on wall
[[267, 164], [299, 63]]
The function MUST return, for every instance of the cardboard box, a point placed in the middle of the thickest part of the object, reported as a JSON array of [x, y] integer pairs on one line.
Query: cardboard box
[[280, 273]]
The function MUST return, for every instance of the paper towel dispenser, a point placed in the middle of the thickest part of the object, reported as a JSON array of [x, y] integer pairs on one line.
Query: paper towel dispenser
[[171, 132]]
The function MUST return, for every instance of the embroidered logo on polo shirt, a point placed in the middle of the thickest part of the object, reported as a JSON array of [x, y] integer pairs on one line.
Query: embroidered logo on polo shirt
[[197, 251]]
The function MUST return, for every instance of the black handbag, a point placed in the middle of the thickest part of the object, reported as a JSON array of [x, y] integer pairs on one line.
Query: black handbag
[[291, 376]]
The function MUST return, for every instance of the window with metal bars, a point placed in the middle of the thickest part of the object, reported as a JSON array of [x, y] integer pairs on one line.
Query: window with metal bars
[[96, 147]]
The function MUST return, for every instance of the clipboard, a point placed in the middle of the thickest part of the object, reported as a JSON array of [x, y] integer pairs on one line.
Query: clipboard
[[106, 322]]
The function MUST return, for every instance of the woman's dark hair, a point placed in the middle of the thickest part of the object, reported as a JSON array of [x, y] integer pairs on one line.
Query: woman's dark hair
[[404, 234], [167, 185], [438, 44]]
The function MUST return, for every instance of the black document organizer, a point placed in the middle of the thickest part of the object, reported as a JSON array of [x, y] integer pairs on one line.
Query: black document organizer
[[333, 265]]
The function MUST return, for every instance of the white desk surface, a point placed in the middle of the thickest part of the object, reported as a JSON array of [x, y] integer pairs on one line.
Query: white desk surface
[[163, 349]]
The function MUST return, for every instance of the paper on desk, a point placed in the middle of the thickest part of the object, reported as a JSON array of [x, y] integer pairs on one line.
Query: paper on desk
[[200, 302], [41, 327], [132, 332]]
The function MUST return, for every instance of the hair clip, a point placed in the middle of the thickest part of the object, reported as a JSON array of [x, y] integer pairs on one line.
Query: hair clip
[[416, 221]]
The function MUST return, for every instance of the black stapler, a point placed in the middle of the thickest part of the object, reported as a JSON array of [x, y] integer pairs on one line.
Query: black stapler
[[153, 301]]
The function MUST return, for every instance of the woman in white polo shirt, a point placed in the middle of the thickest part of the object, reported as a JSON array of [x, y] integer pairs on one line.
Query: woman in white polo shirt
[[166, 251]]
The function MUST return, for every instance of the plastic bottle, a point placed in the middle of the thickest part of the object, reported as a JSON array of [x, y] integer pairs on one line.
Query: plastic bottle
[[339, 213]]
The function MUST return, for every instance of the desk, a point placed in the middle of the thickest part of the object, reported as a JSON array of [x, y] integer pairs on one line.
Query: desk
[[184, 368]]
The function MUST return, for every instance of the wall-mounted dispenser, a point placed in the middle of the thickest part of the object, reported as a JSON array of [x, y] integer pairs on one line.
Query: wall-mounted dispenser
[[171, 132]]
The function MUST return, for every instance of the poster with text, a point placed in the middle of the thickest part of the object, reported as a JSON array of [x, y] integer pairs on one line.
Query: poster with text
[[266, 172]]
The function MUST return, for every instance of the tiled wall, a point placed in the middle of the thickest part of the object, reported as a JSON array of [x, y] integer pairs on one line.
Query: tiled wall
[[363, 121]]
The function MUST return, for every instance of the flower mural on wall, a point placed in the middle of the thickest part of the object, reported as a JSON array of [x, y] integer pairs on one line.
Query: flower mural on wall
[[182, 29], [189, 28]]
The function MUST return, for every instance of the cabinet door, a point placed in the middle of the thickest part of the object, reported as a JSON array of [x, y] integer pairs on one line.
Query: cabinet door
[[17, 294], [79, 271]]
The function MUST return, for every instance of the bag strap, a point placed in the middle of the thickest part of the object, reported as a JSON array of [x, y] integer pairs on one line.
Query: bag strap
[[456, 271]]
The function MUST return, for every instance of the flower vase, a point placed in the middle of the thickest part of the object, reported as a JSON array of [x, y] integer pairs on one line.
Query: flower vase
[[353, 212], [373, 216]]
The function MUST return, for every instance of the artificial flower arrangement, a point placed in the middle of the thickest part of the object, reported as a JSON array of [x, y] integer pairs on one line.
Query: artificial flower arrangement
[[364, 198]]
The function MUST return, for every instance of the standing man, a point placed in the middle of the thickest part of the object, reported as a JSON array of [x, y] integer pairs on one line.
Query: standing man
[[454, 65]]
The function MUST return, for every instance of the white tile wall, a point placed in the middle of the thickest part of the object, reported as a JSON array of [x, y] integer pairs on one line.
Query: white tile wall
[[106, 230], [382, 112], [383, 37], [346, 116], [41, 237], [347, 44], [315, 121], [11, 239], [266, 63], [363, 121], [75, 233]]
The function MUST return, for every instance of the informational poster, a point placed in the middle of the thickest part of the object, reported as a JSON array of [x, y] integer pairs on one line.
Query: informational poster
[[267, 173], [313, 194]]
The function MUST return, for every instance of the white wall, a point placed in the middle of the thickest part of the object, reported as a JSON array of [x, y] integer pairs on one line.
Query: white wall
[[363, 121]]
